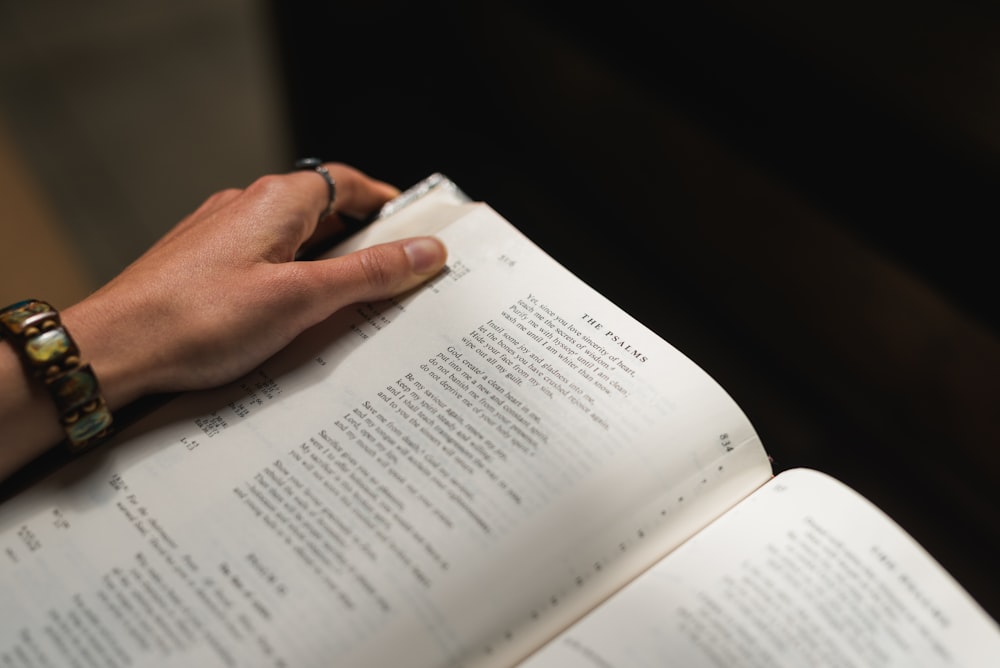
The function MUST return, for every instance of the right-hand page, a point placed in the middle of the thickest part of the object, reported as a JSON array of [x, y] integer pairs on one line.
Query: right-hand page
[[618, 446], [805, 572]]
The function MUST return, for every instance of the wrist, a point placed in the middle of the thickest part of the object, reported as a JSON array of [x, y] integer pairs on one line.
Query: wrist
[[29, 423], [102, 335], [50, 393]]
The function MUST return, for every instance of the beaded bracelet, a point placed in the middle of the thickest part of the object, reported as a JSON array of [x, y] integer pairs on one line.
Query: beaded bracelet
[[50, 355]]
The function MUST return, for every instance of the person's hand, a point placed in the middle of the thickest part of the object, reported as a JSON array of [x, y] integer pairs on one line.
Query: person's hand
[[217, 295], [222, 291]]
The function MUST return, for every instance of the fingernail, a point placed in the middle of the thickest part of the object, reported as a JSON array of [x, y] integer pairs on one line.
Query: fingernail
[[426, 254]]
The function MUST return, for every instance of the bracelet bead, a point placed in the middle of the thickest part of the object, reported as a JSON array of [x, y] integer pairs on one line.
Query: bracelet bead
[[49, 354]]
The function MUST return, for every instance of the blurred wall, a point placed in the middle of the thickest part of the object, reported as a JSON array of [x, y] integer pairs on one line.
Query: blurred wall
[[123, 117]]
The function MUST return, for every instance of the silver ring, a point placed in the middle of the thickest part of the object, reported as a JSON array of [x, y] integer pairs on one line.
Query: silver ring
[[316, 165]]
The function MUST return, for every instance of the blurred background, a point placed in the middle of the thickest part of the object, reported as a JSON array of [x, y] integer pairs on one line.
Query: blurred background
[[802, 200]]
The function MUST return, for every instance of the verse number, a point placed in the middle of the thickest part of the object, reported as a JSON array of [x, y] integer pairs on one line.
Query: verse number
[[59, 520], [117, 483]]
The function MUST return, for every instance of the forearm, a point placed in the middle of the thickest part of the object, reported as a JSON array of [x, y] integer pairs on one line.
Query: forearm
[[28, 421]]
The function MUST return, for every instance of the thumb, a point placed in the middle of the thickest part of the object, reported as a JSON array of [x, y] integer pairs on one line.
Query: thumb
[[379, 272]]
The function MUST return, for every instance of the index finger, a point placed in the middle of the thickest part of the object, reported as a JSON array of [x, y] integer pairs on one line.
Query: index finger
[[357, 194]]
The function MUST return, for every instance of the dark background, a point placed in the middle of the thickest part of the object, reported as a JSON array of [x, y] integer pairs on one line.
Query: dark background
[[802, 200]]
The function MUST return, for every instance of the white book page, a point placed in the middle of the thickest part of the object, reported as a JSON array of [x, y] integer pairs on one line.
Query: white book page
[[447, 478], [805, 572]]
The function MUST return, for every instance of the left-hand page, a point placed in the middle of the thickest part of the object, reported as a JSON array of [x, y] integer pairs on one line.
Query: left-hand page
[[369, 496]]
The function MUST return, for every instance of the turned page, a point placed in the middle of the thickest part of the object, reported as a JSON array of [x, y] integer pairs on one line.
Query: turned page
[[446, 478], [805, 572]]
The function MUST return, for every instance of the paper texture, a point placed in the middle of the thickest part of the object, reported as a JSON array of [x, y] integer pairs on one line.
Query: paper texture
[[447, 478]]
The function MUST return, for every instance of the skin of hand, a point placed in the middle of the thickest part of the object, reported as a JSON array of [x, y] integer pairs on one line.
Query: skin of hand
[[216, 296]]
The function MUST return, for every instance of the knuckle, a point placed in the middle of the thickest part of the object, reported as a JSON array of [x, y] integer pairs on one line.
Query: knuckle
[[268, 186], [218, 199], [377, 267], [223, 195], [227, 194], [276, 189]]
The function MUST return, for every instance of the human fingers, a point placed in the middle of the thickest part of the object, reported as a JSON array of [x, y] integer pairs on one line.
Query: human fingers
[[279, 301], [227, 273], [357, 196], [277, 214], [285, 211], [369, 274]]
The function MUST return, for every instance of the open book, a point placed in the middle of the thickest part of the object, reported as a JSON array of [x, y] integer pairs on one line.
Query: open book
[[499, 467]]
